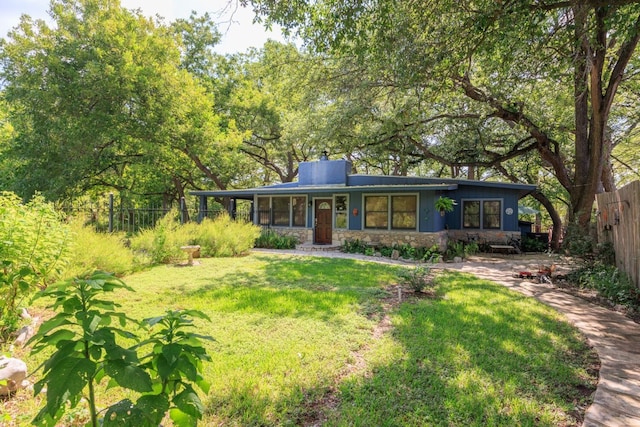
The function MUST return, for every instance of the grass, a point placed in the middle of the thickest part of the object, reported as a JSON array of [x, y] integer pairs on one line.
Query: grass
[[298, 341]]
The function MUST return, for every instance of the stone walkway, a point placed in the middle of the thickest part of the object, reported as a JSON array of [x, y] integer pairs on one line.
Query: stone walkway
[[615, 338]]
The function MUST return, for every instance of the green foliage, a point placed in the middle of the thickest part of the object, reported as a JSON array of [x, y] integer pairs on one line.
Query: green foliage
[[416, 278], [471, 248], [86, 348], [578, 243], [86, 339], [100, 251], [455, 249], [224, 237], [354, 247], [34, 249], [533, 245], [611, 283], [162, 243], [221, 237], [269, 239], [445, 204]]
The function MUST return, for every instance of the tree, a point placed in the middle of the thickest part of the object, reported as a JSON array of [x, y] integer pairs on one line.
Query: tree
[[103, 100], [549, 70]]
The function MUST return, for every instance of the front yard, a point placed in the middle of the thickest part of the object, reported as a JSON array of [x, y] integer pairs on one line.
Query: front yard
[[320, 341]]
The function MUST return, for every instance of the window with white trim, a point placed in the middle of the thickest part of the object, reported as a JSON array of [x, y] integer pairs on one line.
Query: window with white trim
[[482, 214], [391, 212]]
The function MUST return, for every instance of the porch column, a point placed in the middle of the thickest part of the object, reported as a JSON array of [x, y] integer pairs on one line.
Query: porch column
[[202, 208]]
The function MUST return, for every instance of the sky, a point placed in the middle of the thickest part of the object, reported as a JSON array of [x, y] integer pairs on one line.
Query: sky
[[238, 32]]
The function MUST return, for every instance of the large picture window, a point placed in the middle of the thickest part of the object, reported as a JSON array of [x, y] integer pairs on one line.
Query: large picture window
[[485, 214], [282, 211], [391, 212]]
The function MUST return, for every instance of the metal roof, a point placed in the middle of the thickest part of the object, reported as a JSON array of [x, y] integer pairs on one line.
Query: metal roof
[[289, 189]]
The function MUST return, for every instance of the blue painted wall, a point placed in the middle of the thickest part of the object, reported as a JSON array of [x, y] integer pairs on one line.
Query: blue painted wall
[[509, 200]]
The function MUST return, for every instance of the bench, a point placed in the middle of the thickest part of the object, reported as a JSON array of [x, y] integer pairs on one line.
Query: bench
[[505, 248]]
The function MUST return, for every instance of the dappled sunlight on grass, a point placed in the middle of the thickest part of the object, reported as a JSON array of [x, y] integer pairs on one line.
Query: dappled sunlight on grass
[[481, 355], [291, 332]]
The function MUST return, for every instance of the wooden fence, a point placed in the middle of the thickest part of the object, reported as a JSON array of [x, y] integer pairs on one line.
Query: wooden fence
[[619, 222]]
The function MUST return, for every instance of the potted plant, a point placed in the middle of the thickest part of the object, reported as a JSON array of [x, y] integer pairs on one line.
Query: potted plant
[[445, 204]]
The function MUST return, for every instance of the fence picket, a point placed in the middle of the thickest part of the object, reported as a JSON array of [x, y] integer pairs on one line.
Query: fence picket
[[618, 222]]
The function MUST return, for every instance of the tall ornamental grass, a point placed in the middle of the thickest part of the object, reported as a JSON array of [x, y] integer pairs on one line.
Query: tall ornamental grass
[[92, 250], [220, 237]]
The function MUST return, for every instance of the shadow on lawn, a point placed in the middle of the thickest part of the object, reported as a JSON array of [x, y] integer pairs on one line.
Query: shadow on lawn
[[502, 361]]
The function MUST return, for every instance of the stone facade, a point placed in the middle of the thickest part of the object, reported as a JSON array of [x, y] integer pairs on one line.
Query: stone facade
[[302, 234], [390, 238], [485, 236]]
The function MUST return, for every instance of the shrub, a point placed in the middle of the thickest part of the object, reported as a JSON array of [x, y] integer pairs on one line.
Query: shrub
[[533, 245], [33, 252], [224, 237], [354, 246], [92, 250], [455, 249], [416, 278], [578, 242], [162, 243], [269, 239], [471, 248], [610, 283]]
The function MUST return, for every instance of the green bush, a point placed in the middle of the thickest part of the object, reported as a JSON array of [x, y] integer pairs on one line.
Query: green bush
[[533, 245], [221, 237], [610, 283], [269, 239], [162, 243], [455, 249], [92, 250], [34, 250], [224, 237], [416, 278], [354, 246]]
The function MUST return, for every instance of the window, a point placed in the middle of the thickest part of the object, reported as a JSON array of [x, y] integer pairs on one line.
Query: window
[[376, 212], [403, 212], [280, 206], [391, 212], [299, 211], [264, 211], [341, 214], [283, 211], [482, 212], [491, 214]]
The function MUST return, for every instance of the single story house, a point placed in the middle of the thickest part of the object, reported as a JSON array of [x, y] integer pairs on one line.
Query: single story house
[[328, 205]]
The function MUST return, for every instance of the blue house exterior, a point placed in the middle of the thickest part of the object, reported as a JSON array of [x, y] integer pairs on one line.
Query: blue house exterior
[[328, 205]]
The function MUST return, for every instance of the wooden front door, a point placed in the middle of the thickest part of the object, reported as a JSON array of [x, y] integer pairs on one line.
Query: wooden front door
[[323, 221]]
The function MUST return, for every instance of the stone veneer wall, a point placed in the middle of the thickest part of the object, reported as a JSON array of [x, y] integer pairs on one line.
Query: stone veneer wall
[[414, 238], [390, 238], [486, 236], [302, 234]]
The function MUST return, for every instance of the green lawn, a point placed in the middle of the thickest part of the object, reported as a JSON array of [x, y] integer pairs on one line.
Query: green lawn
[[299, 339]]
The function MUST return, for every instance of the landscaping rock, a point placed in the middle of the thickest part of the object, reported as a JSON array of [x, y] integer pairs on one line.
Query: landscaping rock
[[14, 371], [395, 254], [457, 259]]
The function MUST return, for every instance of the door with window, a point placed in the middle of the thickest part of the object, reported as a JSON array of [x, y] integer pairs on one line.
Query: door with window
[[323, 213]]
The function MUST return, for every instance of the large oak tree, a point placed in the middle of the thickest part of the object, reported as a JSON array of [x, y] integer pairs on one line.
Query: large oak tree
[[548, 69]]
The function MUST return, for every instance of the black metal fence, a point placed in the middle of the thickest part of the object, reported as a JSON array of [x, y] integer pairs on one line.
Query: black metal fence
[[109, 216]]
